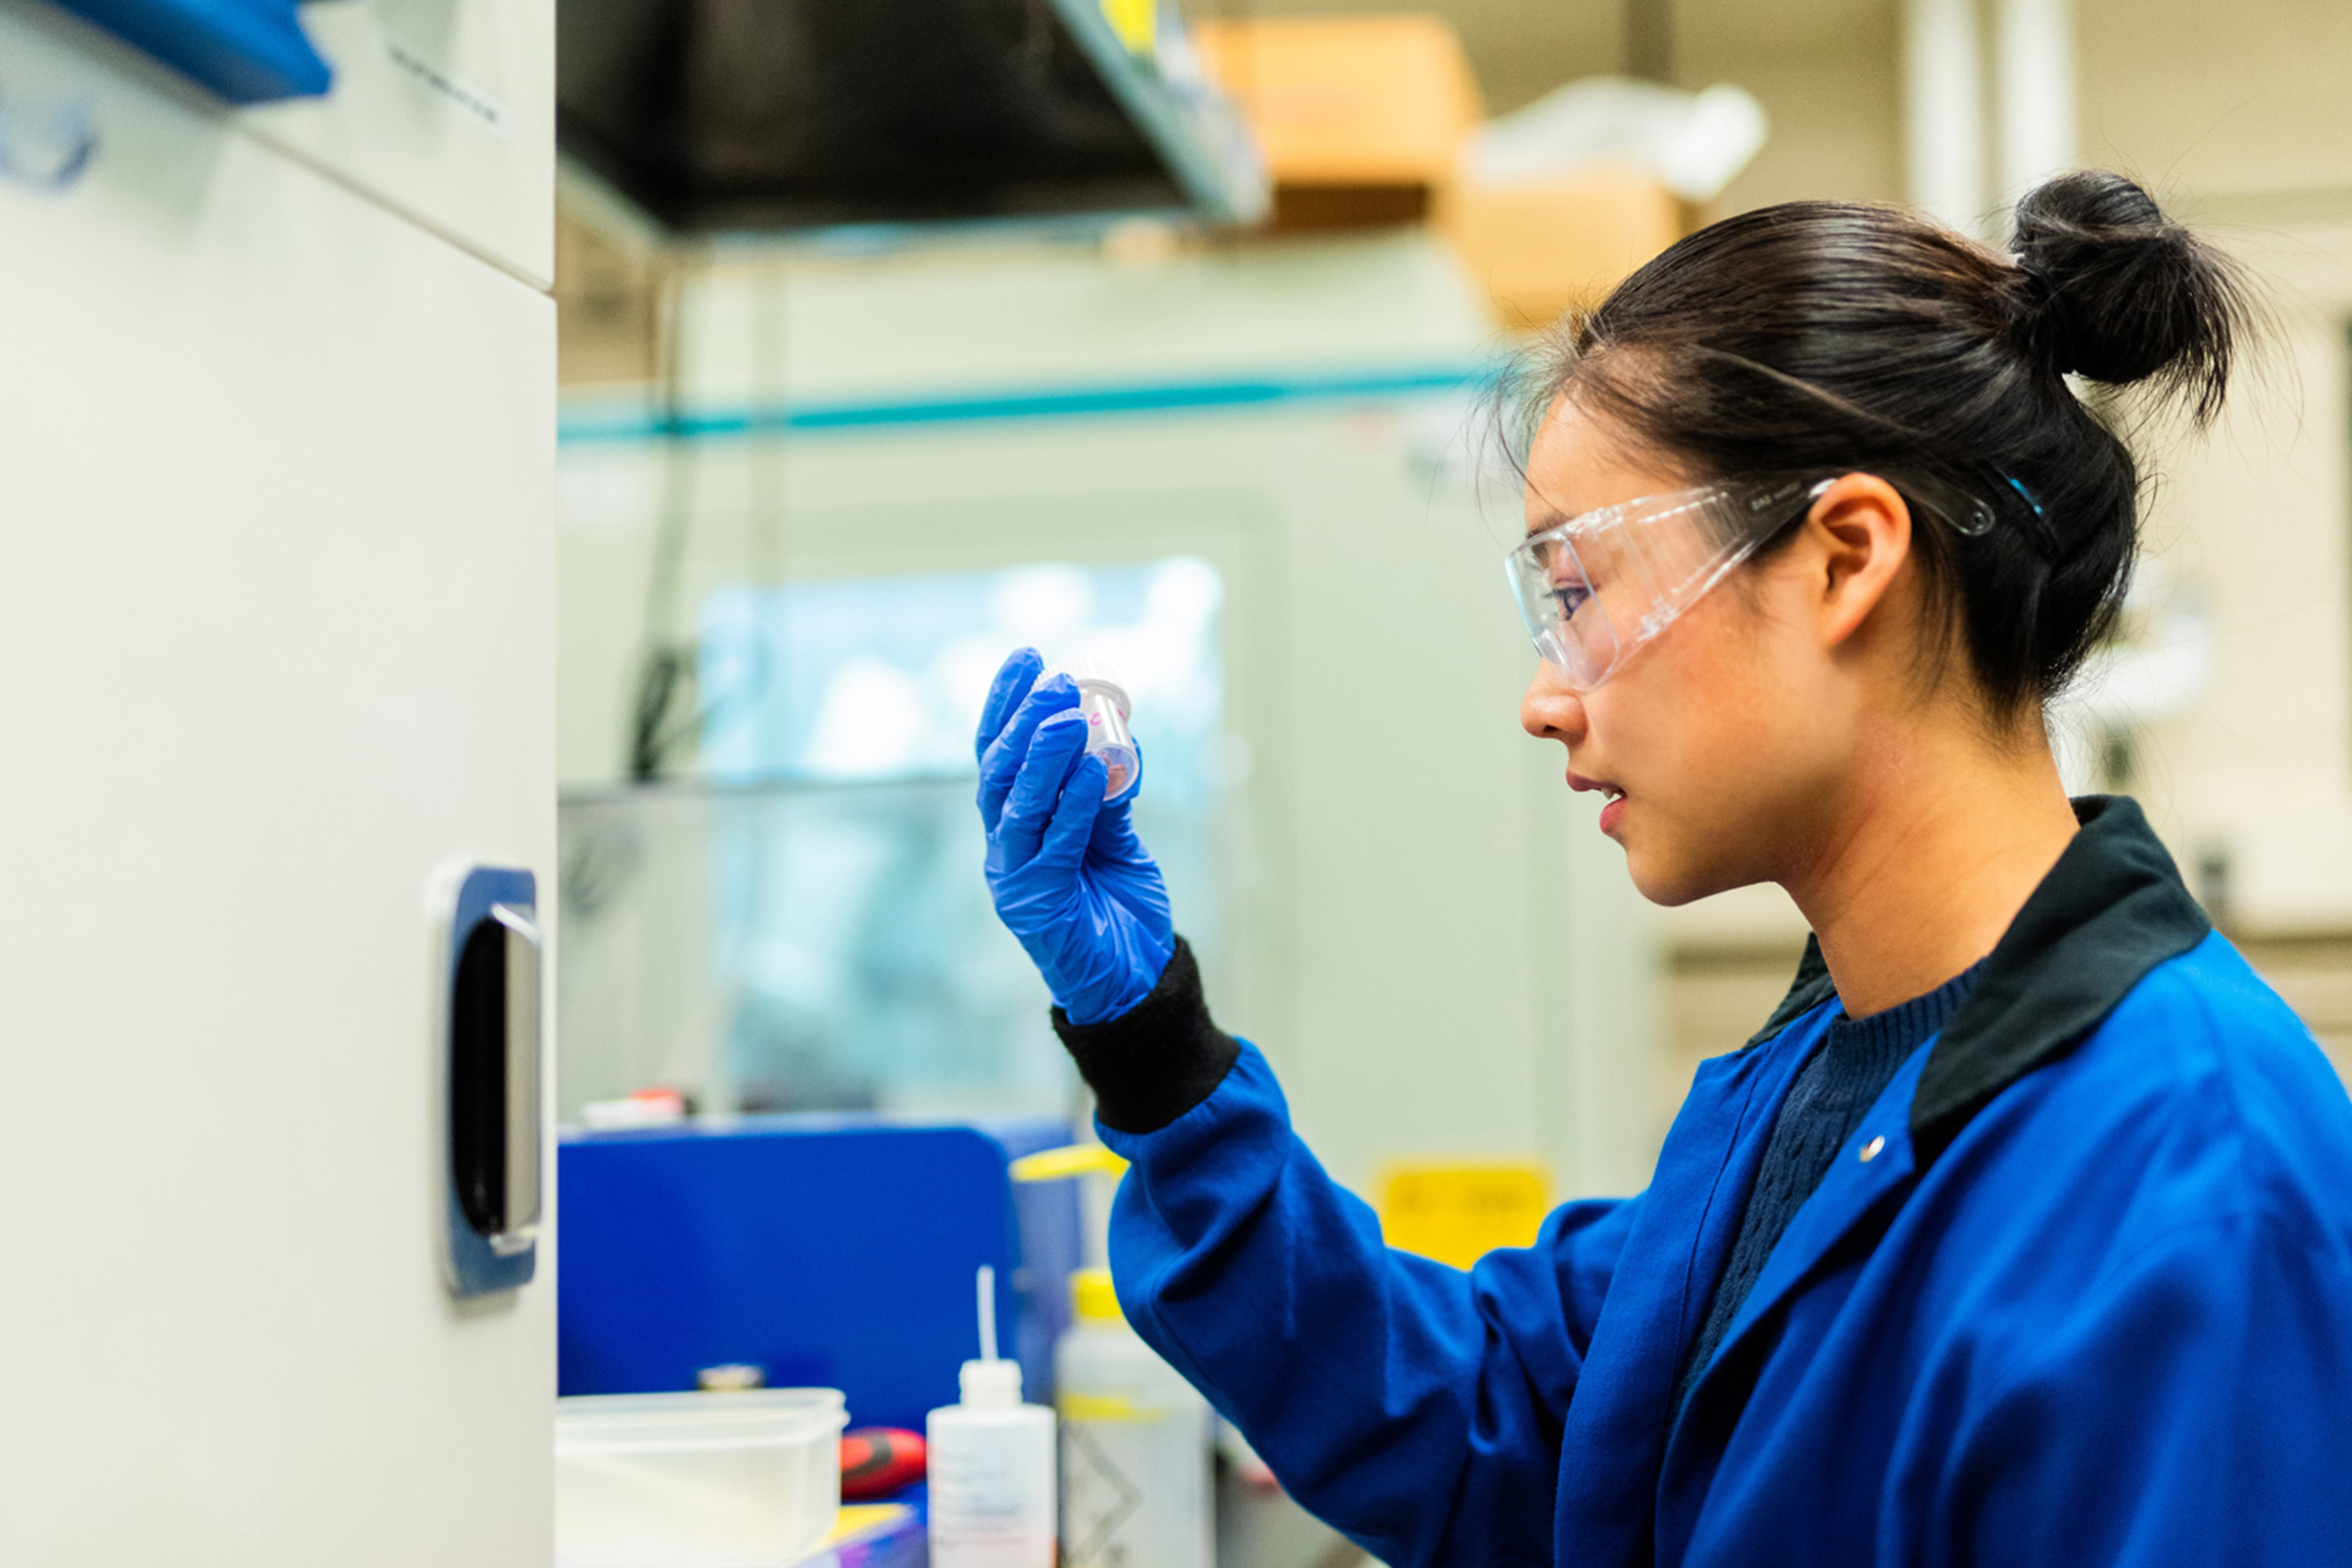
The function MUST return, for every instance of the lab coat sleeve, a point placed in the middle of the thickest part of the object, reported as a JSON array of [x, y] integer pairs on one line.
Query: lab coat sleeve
[[2196, 1409], [1414, 1406]]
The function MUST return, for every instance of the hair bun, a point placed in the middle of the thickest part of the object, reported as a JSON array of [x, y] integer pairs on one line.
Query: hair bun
[[2119, 293]]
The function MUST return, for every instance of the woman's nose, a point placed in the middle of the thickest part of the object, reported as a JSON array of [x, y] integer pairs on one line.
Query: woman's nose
[[1551, 711]]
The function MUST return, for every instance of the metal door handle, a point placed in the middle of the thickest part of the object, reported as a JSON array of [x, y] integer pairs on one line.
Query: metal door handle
[[495, 1105], [523, 1104]]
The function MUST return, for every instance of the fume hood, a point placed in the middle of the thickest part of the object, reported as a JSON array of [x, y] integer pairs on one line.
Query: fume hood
[[734, 115]]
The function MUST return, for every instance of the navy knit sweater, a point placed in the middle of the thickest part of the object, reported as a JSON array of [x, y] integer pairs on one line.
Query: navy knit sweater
[[1857, 1060]]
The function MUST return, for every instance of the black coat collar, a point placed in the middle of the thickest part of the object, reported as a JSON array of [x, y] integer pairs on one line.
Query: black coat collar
[[2112, 909]]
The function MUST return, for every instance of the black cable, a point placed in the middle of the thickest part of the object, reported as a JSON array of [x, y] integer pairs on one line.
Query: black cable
[[665, 660]]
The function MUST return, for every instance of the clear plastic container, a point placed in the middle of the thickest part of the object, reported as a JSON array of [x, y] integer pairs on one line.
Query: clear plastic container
[[748, 1479], [1104, 702], [1136, 1487]]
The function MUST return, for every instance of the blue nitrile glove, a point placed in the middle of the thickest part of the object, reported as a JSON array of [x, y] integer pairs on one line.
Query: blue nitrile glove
[[1069, 876]]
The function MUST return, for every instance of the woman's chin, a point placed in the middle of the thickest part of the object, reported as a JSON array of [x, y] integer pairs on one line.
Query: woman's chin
[[1655, 880], [1670, 880]]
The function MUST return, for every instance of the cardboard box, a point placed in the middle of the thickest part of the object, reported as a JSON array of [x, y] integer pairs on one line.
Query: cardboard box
[[1361, 118], [1544, 248], [607, 305]]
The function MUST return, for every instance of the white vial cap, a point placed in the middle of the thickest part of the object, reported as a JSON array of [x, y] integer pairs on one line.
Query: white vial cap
[[1091, 676], [991, 1385]]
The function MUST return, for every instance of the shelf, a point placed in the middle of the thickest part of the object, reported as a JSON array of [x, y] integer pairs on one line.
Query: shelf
[[767, 116], [1196, 130]]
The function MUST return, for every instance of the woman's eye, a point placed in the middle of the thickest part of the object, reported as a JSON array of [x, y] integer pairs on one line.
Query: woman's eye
[[1570, 597]]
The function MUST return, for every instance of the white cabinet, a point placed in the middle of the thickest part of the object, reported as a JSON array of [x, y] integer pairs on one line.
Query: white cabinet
[[444, 110], [276, 612]]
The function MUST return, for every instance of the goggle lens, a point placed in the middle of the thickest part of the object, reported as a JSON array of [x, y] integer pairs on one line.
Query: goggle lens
[[1561, 605], [1600, 585]]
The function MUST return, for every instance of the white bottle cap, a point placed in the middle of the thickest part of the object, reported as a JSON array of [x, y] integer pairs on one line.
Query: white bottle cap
[[991, 1385]]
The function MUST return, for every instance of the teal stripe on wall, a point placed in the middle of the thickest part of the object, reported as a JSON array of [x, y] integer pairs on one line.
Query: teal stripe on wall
[[637, 423]]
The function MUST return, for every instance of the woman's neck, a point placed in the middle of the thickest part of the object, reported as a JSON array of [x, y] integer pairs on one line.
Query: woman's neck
[[1943, 838]]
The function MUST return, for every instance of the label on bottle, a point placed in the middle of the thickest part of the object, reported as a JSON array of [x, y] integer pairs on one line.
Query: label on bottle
[[991, 1500], [1135, 1487]]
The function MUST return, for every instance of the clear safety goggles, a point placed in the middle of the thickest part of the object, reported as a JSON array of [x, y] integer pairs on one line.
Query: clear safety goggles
[[1596, 586]]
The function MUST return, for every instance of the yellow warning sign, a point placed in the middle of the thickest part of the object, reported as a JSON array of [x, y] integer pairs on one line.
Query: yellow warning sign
[[1457, 1214]]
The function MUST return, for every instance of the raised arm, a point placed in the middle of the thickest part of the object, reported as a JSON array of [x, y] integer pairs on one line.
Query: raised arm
[[1416, 1407]]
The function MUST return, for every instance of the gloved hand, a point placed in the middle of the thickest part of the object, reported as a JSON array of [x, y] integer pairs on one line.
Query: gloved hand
[[1069, 876]]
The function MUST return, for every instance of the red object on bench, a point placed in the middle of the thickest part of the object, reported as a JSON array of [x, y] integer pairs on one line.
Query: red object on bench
[[878, 1460]]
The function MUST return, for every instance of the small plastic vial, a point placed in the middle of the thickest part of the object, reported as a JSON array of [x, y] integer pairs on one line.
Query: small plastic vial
[[1104, 702]]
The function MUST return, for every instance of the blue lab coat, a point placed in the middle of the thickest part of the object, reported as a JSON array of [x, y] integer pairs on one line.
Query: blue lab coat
[[2078, 1291]]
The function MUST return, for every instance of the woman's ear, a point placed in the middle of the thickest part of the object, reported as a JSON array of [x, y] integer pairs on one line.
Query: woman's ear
[[1861, 533]]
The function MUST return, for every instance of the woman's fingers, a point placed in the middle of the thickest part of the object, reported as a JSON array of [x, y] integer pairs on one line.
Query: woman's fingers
[[1113, 836], [1029, 804], [1014, 679], [1073, 827], [1114, 831], [1001, 762]]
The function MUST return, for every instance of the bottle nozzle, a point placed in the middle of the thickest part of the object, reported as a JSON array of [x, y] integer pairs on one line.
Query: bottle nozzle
[[987, 1312], [991, 1380]]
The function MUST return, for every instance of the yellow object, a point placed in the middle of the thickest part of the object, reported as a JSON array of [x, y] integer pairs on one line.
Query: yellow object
[[858, 1518], [1095, 1300], [1458, 1214], [1093, 1295], [1137, 23], [1545, 247], [1360, 118], [1076, 1160]]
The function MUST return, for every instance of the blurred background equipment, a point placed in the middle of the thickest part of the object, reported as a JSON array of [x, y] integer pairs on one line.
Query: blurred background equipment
[[824, 1252], [1242, 483], [764, 114], [1374, 121], [802, 927]]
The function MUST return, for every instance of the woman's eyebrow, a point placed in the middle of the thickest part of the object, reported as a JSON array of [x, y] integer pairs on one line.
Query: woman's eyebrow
[[1549, 519]]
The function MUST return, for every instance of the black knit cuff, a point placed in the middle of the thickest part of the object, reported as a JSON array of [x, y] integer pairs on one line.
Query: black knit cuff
[[1158, 1059]]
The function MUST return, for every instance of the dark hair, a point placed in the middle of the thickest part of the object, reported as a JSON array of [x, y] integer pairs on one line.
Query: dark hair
[[1817, 336]]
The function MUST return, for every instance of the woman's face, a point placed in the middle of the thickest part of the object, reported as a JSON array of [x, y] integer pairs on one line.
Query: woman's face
[[1720, 744]]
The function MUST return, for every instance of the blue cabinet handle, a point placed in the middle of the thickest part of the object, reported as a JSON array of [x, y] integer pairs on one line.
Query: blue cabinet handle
[[248, 51]]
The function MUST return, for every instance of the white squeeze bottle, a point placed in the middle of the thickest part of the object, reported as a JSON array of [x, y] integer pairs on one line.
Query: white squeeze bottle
[[991, 1464], [1136, 1487]]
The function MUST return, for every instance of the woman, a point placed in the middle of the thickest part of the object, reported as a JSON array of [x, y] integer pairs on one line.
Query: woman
[[2021, 1233]]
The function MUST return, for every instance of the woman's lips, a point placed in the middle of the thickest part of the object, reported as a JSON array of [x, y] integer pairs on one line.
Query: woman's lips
[[1613, 810]]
